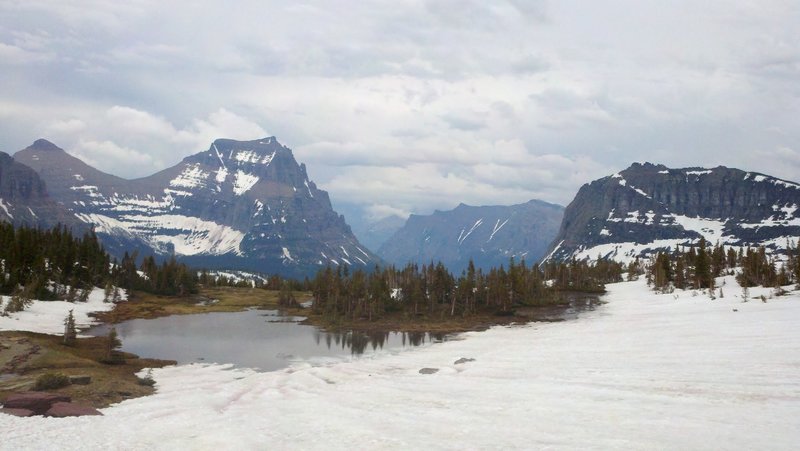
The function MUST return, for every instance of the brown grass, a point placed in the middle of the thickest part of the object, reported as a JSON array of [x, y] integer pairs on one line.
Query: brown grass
[[110, 383], [221, 299]]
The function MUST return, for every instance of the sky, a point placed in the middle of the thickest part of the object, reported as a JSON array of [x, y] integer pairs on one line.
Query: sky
[[406, 106]]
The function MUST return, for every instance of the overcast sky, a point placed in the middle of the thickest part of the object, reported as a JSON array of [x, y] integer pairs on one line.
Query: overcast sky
[[406, 106]]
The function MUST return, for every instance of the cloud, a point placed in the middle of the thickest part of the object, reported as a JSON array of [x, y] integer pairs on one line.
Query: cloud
[[411, 106]]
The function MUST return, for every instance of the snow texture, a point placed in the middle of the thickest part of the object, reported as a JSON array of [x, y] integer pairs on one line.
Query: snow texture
[[4, 206], [243, 181], [47, 317], [644, 371]]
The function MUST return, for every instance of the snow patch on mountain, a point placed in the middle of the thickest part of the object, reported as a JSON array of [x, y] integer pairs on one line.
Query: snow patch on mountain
[[710, 229], [5, 206], [191, 177], [243, 182]]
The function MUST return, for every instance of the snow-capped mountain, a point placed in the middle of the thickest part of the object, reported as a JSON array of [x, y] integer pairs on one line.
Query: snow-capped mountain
[[24, 199], [240, 204], [647, 208], [489, 235]]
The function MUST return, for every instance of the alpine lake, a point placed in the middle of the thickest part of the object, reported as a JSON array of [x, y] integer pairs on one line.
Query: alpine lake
[[267, 340]]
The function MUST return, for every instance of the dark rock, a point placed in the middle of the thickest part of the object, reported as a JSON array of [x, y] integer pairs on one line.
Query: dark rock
[[463, 360], [255, 189], [17, 412], [25, 198], [489, 235], [639, 205], [80, 380], [68, 409], [428, 370], [37, 402]]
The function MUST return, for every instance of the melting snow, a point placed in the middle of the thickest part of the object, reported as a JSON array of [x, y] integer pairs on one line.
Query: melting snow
[[698, 172], [243, 182], [222, 174], [663, 371], [462, 236], [188, 235], [47, 317], [497, 227], [5, 206], [710, 229], [191, 177], [287, 255]]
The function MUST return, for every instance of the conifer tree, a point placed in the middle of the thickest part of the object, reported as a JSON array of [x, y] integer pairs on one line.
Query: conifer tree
[[70, 331]]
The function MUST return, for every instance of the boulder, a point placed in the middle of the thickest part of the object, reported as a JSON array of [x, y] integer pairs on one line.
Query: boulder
[[17, 412], [37, 402], [68, 409], [80, 380]]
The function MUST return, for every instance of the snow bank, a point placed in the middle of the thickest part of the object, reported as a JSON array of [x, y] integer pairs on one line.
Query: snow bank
[[47, 317], [644, 371]]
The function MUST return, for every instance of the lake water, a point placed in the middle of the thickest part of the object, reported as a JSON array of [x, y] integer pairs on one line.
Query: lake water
[[260, 339]]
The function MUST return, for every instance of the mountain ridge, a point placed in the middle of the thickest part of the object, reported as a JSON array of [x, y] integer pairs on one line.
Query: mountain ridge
[[489, 235], [646, 207], [240, 204]]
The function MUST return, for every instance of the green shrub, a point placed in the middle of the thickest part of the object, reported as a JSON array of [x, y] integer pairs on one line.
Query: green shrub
[[51, 381]]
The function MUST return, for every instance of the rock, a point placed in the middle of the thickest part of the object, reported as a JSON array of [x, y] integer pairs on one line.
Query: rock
[[37, 402], [463, 360], [428, 370], [17, 412], [644, 204], [68, 409], [80, 380]]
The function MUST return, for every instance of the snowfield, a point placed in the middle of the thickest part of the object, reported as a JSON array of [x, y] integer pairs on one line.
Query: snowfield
[[644, 371], [47, 317]]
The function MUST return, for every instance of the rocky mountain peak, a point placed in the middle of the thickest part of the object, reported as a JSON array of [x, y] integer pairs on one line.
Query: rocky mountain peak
[[646, 208], [239, 204], [44, 145]]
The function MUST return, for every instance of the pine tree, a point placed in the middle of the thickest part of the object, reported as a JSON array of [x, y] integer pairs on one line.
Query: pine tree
[[70, 331], [113, 343]]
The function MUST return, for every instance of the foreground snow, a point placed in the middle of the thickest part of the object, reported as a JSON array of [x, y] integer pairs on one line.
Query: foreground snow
[[47, 317], [644, 371]]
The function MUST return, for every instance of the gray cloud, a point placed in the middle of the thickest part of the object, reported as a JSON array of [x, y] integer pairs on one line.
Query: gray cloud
[[403, 107]]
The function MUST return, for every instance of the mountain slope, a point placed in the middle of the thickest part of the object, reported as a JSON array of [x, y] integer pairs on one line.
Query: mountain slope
[[490, 235], [649, 207], [240, 205], [24, 199]]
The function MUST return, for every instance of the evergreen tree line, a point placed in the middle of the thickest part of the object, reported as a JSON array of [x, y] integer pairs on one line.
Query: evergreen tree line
[[170, 278], [42, 264], [431, 290], [696, 267], [55, 264]]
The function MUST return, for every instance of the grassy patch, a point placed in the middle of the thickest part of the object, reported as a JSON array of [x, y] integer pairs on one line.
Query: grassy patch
[[109, 383], [221, 299]]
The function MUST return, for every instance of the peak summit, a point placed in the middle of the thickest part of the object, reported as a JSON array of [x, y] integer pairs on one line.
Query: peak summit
[[45, 145]]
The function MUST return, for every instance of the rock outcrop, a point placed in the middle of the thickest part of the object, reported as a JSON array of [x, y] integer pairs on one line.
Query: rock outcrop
[[239, 205], [648, 207]]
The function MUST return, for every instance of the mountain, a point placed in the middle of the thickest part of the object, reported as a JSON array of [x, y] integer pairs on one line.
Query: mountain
[[239, 205], [374, 234], [24, 199], [649, 207], [489, 235]]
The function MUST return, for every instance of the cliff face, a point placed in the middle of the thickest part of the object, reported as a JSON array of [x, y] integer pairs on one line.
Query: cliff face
[[24, 199], [240, 204], [489, 235], [649, 207]]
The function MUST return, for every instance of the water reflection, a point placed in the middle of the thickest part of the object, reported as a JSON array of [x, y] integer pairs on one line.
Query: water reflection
[[256, 339], [360, 342]]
